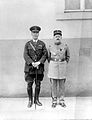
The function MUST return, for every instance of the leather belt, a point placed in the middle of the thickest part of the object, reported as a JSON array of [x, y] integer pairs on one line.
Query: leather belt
[[57, 60]]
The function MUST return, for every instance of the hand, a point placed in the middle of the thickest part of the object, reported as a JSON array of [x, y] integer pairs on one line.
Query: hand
[[35, 64]]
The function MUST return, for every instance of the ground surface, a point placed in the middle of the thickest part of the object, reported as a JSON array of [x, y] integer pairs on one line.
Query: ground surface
[[16, 109]]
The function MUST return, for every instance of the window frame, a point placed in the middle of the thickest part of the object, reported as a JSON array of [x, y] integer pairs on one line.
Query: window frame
[[82, 8]]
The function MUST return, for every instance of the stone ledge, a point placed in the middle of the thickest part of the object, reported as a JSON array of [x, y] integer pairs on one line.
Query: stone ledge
[[73, 16]]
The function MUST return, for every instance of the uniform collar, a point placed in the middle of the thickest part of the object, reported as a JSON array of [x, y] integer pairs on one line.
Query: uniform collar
[[35, 40]]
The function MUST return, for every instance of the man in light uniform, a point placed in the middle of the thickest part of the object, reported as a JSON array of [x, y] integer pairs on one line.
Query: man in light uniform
[[58, 57]]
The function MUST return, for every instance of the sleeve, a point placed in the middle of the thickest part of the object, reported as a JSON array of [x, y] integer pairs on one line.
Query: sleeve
[[49, 54], [44, 55], [27, 58], [67, 54]]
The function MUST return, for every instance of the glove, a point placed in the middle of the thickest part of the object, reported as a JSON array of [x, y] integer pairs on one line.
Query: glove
[[36, 64]]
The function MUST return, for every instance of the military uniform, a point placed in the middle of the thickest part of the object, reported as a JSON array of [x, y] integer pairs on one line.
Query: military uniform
[[58, 61], [31, 55], [58, 57], [34, 52]]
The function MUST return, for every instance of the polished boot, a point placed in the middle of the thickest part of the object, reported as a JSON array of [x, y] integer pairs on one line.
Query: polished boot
[[36, 97], [30, 103], [37, 102], [30, 94]]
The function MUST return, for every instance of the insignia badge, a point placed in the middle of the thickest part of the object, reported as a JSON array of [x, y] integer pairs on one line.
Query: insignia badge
[[40, 45]]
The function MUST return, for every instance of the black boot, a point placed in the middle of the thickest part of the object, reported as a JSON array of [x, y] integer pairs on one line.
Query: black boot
[[30, 94], [30, 103], [37, 102], [36, 97]]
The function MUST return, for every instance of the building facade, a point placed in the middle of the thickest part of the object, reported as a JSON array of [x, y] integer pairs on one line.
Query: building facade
[[73, 17]]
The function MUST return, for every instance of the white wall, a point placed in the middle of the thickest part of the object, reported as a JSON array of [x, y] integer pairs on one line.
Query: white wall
[[16, 16]]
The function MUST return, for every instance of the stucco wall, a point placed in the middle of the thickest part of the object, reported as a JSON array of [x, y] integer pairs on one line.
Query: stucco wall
[[12, 82], [16, 16]]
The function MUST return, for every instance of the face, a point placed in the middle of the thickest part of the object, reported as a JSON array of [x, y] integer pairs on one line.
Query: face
[[57, 38], [35, 35]]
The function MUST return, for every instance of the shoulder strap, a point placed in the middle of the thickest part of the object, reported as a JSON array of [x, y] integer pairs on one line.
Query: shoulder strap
[[32, 46]]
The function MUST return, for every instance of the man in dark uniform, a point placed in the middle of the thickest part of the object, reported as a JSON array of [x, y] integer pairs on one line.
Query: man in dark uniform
[[35, 54]]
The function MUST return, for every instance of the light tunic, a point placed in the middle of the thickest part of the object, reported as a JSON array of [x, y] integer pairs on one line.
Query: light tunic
[[57, 64]]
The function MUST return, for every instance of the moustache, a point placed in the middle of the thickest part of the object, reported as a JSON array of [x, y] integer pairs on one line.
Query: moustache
[[58, 39]]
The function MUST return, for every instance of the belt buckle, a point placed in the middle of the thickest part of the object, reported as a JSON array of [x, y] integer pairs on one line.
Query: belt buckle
[[59, 60]]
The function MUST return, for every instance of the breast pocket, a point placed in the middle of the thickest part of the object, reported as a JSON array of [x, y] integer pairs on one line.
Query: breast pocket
[[40, 47], [39, 50], [30, 50]]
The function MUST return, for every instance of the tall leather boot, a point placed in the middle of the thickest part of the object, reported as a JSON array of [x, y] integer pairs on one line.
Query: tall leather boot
[[36, 97], [30, 95]]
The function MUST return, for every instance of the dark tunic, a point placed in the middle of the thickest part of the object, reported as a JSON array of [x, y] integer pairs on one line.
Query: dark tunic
[[34, 55]]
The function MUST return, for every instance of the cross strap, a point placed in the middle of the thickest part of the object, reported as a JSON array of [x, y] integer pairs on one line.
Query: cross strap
[[32, 46]]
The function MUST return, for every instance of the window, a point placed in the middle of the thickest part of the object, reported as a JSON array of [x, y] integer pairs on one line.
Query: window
[[72, 4], [88, 4], [78, 5]]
